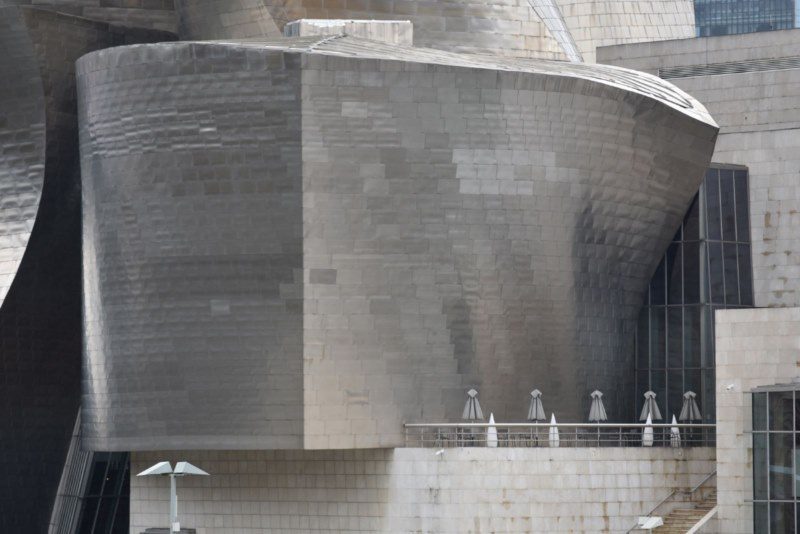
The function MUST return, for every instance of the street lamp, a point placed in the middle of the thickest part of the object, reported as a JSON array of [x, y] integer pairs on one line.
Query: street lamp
[[165, 469]]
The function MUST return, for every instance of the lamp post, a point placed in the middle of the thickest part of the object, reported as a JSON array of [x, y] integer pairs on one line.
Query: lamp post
[[165, 469]]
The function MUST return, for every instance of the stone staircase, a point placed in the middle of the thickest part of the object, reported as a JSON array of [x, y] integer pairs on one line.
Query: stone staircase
[[681, 520]]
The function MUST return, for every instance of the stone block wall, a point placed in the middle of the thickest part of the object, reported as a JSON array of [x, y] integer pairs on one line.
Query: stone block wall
[[467, 490], [756, 347]]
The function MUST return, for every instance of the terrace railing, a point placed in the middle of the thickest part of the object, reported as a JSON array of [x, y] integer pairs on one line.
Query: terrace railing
[[443, 435]]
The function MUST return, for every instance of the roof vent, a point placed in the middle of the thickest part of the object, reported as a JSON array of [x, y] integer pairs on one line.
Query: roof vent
[[396, 32]]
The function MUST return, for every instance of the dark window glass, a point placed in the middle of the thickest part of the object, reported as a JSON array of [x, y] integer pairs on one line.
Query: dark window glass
[[759, 411], [715, 268], [657, 338], [742, 207], [643, 341], [105, 515], [88, 515], [693, 380], [691, 336], [760, 518], [760, 466], [781, 518], [745, 275], [658, 381], [781, 467], [780, 410], [728, 205], [121, 518], [691, 222], [707, 353], [642, 385], [675, 337], [705, 399], [713, 227], [731, 274], [674, 400], [657, 283], [691, 272], [674, 274], [98, 475]]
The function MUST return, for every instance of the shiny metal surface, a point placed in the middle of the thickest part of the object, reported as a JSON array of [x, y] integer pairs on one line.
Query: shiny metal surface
[[40, 316], [550, 29], [303, 243]]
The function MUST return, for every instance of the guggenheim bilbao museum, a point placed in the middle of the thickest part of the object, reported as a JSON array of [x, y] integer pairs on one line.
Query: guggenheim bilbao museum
[[265, 237]]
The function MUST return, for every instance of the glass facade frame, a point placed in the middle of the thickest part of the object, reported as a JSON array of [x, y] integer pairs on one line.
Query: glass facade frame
[[776, 464], [106, 499], [708, 266], [727, 17]]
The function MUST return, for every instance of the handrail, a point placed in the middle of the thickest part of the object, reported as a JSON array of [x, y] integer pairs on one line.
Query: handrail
[[565, 425], [705, 479], [675, 492]]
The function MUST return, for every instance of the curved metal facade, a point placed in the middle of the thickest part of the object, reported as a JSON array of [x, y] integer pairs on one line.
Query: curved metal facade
[[287, 248], [547, 29], [40, 265]]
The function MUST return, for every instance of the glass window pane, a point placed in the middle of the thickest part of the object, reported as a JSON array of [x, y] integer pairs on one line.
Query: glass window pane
[[657, 285], [713, 226], [691, 336], [658, 340], [742, 207], [781, 470], [728, 209], [691, 223], [691, 273], [98, 474], [105, 514], [87, 514], [674, 274], [780, 410], [759, 411], [706, 398], [643, 340], [707, 353], [674, 400], [760, 518], [121, 518], [675, 337], [781, 518], [731, 275], [658, 383], [745, 275], [715, 270], [760, 466]]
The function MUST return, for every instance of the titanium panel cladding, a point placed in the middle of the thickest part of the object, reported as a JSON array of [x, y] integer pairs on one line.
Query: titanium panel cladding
[[40, 314], [292, 248]]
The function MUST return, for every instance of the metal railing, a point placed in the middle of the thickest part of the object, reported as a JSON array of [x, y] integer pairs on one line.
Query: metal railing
[[443, 435]]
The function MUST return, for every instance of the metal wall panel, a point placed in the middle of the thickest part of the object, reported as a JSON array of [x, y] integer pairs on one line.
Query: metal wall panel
[[40, 317], [287, 248]]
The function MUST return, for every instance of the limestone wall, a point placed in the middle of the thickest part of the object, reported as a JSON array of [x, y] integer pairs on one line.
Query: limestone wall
[[754, 348], [462, 491]]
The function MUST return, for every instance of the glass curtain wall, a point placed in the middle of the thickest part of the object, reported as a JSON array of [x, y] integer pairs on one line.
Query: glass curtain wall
[[707, 267], [726, 17], [105, 506], [776, 465]]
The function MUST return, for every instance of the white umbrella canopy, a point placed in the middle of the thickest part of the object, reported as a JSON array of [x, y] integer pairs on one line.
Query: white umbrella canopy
[[553, 438], [650, 407], [491, 433], [597, 413], [536, 409], [690, 410], [472, 409], [674, 433], [647, 435]]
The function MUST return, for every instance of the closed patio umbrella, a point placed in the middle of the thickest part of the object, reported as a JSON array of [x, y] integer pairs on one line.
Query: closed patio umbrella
[[690, 410], [472, 409], [597, 413], [536, 408], [554, 439], [650, 407]]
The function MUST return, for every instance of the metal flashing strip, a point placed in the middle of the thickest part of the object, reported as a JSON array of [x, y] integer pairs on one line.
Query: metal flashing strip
[[733, 67]]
